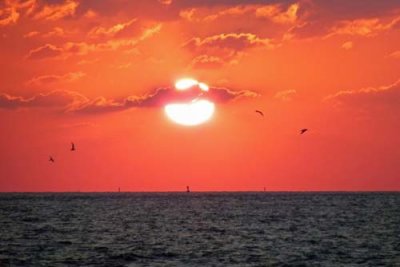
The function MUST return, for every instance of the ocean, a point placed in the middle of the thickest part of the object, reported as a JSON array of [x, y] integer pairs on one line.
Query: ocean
[[200, 229]]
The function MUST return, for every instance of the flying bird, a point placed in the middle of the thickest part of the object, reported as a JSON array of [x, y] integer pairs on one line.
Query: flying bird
[[72, 146], [260, 112], [51, 159], [302, 131]]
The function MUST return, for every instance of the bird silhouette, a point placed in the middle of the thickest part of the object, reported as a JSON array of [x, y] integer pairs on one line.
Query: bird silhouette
[[302, 131], [260, 112], [72, 146], [51, 159]]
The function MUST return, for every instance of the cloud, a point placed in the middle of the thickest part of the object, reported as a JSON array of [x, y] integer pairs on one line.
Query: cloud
[[286, 95], [165, 2], [363, 27], [45, 51], [31, 34], [69, 101], [349, 10], [53, 99], [206, 62], [158, 98], [70, 48], [8, 16], [83, 48], [340, 17], [98, 32], [55, 32], [277, 13], [370, 99], [223, 48], [205, 15], [347, 45], [234, 41], [10, 10], [57, 11], [90, 14], [50, 79], [216, 50]]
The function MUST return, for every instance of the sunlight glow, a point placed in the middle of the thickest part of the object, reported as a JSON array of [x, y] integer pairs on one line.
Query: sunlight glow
[[190, 114], [203, 87], [184, 84]]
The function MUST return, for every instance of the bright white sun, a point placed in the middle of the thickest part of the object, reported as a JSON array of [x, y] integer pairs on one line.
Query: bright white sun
[[193, 112]]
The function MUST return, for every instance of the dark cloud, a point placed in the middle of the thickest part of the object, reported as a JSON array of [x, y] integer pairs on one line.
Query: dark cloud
[[345, 10], [329, 10], [326, 17], [158, 10]]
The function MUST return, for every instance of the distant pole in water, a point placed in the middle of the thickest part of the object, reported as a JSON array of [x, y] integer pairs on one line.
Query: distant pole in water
[[119, 189], [264, 188], [187, 189]]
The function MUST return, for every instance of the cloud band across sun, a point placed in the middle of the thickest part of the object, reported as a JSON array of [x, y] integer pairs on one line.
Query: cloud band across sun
[[70, 101]]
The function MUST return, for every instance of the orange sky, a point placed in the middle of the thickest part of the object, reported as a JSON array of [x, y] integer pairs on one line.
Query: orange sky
[[97, 72]]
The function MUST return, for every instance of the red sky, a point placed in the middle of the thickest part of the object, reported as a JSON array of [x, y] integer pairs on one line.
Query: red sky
[[97, 72]]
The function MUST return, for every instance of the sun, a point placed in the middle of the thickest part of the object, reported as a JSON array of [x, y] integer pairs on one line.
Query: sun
[[193, 112]]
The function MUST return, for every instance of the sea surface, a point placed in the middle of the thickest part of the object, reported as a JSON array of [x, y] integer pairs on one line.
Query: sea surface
[[200, 229]]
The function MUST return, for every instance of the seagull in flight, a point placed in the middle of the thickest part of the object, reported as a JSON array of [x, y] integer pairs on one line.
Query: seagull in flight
[[51, 159], [302, 131], [260, 112], [72, 146]]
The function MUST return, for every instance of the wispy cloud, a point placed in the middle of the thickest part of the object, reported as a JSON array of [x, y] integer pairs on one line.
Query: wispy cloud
[[220, 49], [83, 48], [50, 79], [57, 11], [371, 99], [363, 27], [347, 45], [54, 99], [111, 31], [286, 95], [234, 41]]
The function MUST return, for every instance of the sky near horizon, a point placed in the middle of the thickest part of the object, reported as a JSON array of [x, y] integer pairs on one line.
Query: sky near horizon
[[98, 73]]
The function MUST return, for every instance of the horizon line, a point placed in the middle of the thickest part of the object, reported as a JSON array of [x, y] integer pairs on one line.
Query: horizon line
[[212, 191]]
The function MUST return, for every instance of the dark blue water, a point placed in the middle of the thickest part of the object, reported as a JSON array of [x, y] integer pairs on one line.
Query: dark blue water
[[200, 229]]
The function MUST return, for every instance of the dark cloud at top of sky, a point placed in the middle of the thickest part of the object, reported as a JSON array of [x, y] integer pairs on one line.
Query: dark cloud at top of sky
[[323, 16], [156, 10], [342, 9]]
